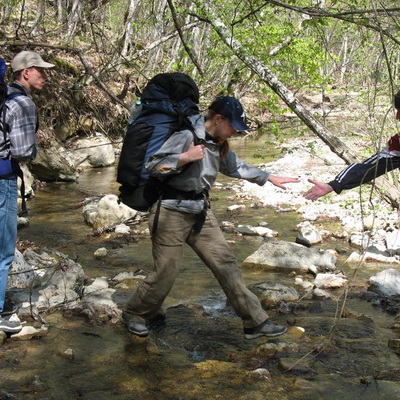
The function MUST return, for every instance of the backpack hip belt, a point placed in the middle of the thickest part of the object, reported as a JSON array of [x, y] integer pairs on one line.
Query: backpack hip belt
[[169, 192], [8, 169]]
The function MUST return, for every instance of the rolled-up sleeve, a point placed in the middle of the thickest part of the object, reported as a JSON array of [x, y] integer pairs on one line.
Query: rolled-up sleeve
[[165, 161]]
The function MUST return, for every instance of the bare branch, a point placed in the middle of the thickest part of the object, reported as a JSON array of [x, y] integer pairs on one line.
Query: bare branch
[[364, 16], [261, 70], [179, 30]]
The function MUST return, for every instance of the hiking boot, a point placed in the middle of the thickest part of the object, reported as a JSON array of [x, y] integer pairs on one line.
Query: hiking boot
[[10, 326], [267, 328], [136, 326], [8, 308]]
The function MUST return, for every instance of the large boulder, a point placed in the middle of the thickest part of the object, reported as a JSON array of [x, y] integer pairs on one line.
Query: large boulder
[[107, 212], [272, 294], [54, 164], [94, 151], [51, 280], [275, 254], [385, 283]]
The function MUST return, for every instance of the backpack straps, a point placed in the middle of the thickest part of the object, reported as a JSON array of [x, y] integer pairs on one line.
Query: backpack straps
[[24, 208], [168, 192], [10, 167]]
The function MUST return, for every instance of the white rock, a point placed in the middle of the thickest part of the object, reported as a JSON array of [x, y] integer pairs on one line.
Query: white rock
[[324, 281], [100, 253]]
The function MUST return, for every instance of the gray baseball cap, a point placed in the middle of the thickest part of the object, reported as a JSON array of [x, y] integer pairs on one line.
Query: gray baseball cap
[[28, 59]]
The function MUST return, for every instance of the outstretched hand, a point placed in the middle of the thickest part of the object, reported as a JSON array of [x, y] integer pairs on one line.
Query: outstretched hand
[[318, 190], [279, 181]]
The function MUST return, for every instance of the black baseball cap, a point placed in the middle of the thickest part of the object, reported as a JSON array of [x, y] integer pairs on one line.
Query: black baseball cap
[[230, 108]]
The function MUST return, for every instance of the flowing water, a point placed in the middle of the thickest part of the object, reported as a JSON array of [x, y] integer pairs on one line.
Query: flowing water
[[200, 353]]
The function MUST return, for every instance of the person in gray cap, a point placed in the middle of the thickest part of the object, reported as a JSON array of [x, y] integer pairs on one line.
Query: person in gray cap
[[184, 216], [18, 141]]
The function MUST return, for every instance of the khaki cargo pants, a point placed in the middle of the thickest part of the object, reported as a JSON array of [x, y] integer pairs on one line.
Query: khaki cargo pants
[[174, 229]]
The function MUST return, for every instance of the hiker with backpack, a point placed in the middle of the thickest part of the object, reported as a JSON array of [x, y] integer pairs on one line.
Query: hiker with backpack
[[188, 164], [18, 123]]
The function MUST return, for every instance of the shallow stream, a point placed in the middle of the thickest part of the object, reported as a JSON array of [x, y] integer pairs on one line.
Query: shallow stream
[[200, 353]]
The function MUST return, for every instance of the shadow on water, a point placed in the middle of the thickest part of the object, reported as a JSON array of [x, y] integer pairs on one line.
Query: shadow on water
[[200, 352]]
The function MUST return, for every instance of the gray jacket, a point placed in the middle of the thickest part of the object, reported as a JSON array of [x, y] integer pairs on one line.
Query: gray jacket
[[200, 175]]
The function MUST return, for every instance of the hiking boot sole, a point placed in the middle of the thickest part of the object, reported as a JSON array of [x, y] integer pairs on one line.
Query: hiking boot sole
[[138, 331], [259, 334], [10, 329]]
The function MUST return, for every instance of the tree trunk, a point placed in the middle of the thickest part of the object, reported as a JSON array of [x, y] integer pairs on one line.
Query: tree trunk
[[73, 20], [391, 192], [128, 31], [40, 10]]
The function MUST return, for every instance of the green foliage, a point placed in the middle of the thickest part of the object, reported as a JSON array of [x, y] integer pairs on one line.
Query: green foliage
[[259, 156], [306, 52]]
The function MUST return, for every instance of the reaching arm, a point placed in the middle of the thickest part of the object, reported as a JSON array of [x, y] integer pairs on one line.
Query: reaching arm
[[357, 174], [280, 181]]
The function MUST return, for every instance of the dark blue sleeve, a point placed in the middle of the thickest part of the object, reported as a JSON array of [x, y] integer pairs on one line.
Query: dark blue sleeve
[[357, 174]]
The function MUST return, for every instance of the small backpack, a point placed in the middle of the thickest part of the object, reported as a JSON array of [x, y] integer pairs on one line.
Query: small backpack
[[167, 100], [9, 168]]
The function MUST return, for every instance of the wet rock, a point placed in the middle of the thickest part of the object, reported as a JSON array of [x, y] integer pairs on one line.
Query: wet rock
[[57, 280], [396, 325], [261, 374], [122, 229], [271, 349], [369, 257], [246, 230], [369, 296], [128, 275], [22, 273], [300, 383], [256, 231], [97, 285], [385, 283], [22, 221], [274, 254], [300, 239], [329, 280], [95, 151], [295, 365], [390, 304], [69, 354], [37, 384], [361, 240], [236, 207], [395, 345], [271, 294], [29, 332], [392, 240], [100, 253], [321, 294], [308, 234], [54, 164], [315, 307], [107, 212], [295, 332], [349, 313], [286, 307], [306, 285]]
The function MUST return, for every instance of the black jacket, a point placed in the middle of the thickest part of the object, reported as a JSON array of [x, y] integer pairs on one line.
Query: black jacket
[[380, 163]]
